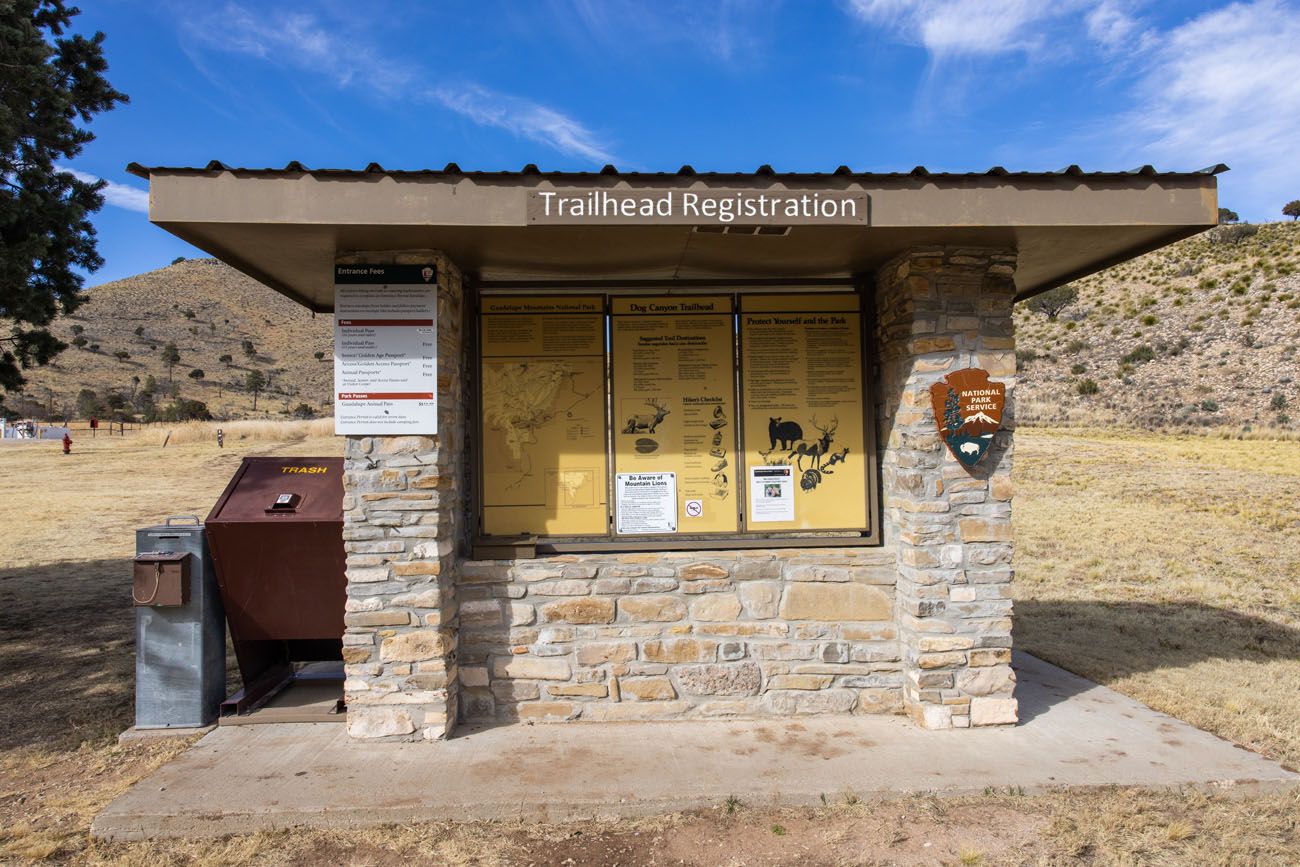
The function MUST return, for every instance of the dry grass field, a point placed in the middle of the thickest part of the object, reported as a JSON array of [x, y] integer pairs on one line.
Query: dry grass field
[[1167, 568], [1163, 567]]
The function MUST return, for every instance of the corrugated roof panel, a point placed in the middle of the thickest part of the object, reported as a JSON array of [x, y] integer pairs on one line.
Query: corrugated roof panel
[[766, 171]]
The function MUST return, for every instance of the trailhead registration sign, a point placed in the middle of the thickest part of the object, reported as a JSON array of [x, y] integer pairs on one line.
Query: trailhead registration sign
[[385, 349]]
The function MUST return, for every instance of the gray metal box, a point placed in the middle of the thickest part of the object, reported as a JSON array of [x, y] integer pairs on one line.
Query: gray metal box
[[180, 650]]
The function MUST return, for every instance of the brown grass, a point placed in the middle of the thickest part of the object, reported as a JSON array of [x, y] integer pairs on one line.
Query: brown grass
[[61, 509], [1164, 567], [237, 433]]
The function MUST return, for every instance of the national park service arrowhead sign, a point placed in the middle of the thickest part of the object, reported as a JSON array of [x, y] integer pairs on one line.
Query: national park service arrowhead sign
[[968, 409]]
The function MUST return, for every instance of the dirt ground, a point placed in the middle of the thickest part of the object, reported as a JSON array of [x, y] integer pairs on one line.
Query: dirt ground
[[1164, 568]]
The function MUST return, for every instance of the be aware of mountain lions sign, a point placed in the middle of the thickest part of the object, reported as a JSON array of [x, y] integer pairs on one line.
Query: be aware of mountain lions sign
[[968, 410]]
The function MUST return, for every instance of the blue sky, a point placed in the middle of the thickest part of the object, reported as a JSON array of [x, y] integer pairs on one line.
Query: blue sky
[[573, 84]]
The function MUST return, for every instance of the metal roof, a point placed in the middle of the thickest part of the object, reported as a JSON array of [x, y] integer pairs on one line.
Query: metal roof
[[285, 226], [453, 170]]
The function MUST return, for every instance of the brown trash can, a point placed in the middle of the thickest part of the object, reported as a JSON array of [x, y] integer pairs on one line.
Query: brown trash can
[[276, 536]]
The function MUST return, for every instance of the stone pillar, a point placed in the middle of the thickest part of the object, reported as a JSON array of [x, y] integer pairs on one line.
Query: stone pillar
[[939, 310], [402, 528]]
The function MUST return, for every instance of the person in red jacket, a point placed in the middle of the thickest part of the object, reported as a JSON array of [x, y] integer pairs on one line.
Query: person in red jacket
[[67, 444]]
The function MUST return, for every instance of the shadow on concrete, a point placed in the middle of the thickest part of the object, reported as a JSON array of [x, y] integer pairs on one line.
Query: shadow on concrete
[[1106, 642]]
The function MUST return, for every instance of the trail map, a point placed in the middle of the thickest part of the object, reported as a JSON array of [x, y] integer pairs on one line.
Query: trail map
[[520, 399], [542, 416]]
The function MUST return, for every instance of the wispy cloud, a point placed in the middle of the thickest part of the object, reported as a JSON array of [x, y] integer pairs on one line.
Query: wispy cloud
[[303, 42], [1112, 26], [523, 118], [733, 32], [118, 195], [1221, 87], [1225, 86], [957, 28]]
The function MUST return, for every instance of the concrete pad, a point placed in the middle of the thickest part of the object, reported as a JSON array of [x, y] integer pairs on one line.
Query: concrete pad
[[135, 734], [1073, 733]]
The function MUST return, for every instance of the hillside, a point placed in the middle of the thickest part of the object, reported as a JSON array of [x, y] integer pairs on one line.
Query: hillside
[[208, 310], [1201, 333]]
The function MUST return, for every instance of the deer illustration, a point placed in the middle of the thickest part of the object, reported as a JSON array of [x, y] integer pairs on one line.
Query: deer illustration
[[818, 448], [784, 432], [647, 422]]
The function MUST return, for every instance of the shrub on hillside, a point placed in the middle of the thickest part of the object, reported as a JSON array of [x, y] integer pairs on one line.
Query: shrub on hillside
[[171, 357], [88, 403], [1140, 355], [1087, 386], [1053, 301], [118, 407], [183, 409], [1232, 234]]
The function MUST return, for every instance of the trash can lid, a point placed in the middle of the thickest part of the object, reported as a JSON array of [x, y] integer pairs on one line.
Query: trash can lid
[[296, 489]]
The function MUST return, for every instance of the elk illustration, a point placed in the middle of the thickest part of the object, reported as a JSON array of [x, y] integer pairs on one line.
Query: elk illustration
[[784, 432], [646, 421], [817, 449]]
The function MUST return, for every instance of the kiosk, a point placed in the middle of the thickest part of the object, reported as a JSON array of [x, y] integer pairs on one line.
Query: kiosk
[[629, 445]]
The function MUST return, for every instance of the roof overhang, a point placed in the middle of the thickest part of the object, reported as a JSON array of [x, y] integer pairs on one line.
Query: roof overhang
[[284, 227]]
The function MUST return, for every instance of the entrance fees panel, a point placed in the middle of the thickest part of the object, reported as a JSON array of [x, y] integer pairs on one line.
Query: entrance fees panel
[[385, 349]]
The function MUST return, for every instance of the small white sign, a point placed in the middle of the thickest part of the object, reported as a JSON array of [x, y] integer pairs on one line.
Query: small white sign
[[771, 494], [694, 508], [645, 503], [385, 349]]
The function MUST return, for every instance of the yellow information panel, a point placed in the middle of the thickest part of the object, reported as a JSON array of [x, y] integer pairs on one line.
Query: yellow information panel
[[805, 461], [674, 414], [543, 415]]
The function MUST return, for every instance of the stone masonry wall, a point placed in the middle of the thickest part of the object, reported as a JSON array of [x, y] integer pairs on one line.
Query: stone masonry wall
[[680, 635], [940, 310], [402, 528]]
